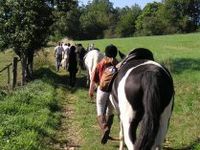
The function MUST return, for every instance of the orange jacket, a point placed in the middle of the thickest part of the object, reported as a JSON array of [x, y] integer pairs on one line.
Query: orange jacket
[[101, 66]]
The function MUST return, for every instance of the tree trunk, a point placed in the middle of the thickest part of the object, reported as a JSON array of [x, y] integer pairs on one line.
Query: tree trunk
[[24, 66], [14, 71], [29, 68]]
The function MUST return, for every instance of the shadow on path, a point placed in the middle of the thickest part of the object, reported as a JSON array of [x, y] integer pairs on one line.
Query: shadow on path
[[65, 137], [60, 80]]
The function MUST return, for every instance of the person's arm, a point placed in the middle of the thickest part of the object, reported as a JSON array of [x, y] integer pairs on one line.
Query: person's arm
[[93, 82], [91, 90]]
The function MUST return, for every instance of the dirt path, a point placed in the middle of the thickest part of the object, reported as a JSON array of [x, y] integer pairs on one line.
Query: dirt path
[[68, 135]]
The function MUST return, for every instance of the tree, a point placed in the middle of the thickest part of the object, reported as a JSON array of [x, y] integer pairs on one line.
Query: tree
[[96, 18], [181, 15], [66, 18], [150, 21], [126, 24], [24, 27]]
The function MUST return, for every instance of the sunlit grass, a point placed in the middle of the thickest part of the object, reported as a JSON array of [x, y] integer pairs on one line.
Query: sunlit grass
[[180, 53], [28, 117]]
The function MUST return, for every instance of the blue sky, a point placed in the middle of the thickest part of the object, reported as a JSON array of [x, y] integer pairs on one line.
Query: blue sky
[[123, 3]]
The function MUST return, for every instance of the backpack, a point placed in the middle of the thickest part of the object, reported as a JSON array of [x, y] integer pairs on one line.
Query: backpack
[[107, 78]]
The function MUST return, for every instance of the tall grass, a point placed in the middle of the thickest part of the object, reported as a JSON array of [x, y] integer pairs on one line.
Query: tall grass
[[28, 117]]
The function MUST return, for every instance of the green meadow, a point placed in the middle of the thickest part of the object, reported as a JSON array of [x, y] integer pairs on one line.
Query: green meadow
[[181, 55], [73, 124]]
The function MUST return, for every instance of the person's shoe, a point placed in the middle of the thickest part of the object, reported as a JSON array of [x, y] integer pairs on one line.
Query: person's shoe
[[105, 136], [104, 129]]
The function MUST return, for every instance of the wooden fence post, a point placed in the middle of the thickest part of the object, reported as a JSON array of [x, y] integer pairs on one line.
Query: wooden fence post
[[14, 71]]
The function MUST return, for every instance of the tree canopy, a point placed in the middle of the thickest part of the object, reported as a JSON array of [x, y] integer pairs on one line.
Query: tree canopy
[[127, 21], [22, 21], [24, 27], [96, 18], [99, 19], [150, 21]]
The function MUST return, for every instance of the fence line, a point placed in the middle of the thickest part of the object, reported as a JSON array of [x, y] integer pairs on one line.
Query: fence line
[[12, 83], [5, 67]]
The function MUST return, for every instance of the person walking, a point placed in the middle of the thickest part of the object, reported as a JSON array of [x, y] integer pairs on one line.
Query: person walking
[[66, 49], [58, 54], [72, 65], [104, 107]]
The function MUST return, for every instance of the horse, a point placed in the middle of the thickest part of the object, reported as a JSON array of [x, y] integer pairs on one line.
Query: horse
[[81, 52], [91, 59], [143, 95]]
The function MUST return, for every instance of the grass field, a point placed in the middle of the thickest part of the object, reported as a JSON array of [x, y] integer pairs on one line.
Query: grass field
[[180, 53]]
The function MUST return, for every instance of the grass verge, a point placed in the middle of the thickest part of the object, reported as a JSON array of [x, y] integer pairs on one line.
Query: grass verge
[[28, 117]]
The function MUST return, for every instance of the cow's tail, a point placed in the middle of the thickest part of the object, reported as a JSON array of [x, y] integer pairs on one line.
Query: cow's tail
[[152, 106]]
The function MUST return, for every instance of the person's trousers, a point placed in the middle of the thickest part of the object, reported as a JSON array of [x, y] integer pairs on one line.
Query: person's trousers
[[103, 104], [58, 62]]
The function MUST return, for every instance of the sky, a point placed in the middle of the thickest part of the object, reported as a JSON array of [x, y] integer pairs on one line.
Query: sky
[[123, 3]]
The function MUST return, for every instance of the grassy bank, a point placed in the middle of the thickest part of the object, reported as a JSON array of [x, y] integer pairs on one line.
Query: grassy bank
[[28, 117]]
